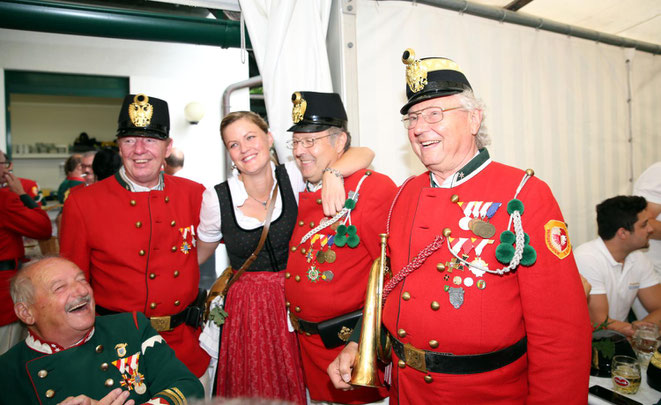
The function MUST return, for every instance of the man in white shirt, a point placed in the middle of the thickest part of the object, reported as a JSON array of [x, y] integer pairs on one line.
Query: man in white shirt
[[618, 271]]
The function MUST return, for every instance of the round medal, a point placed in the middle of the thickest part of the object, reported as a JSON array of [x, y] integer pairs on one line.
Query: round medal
[[330, 256]]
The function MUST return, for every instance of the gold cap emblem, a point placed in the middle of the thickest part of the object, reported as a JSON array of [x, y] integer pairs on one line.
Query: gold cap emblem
[[140, 111], [300, 105], [416, 73]]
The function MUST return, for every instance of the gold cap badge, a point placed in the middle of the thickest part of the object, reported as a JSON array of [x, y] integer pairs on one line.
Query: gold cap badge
[[140, 111], [416, 73], [300, 105]]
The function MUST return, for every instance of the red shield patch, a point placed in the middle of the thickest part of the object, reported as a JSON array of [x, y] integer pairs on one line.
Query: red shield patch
[[557, 238]]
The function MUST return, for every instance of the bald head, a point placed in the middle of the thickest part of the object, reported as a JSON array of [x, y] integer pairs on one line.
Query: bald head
[[174, 162]]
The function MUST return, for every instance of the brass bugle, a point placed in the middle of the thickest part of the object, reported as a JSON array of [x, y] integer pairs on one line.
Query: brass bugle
[[365, 369]]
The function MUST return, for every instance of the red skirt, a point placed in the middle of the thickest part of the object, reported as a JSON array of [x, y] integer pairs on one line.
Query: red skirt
[[259, 357]]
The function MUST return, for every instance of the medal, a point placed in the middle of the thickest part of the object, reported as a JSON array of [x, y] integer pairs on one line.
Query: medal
[[121, 349], [482, 228], [468, 281], [476, 271], [321, 257], [456, 280], [327, 275], [138, 385], [481, 284], [330, 256], [313, 274], [456, 296]]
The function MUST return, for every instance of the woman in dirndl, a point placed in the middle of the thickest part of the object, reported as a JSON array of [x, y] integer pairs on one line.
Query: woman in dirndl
[[259, 356]]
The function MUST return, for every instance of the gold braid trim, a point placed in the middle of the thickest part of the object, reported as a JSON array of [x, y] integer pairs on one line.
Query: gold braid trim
[[175, 397]]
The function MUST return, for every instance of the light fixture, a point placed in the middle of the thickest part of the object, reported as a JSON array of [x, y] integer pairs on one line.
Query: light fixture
[[194, 112]]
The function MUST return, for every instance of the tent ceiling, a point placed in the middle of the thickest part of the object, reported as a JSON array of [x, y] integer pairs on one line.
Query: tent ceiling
[[639, 20]]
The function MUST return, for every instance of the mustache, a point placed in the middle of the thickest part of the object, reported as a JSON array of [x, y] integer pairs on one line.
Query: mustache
[[78, 303]]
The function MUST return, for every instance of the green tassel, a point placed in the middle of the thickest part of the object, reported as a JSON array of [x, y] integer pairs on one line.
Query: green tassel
[[351, 230], [353, 240], [515, 205], [504, 253], [340, 240], [507, 237], [526, 238], [350, 204], [341, 230], [529, 256]]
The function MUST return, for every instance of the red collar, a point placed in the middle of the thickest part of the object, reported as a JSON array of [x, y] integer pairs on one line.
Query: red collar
[[38, 344]]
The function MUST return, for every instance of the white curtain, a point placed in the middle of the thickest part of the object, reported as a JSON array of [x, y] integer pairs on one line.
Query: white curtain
[[556, 104], [289, 40]]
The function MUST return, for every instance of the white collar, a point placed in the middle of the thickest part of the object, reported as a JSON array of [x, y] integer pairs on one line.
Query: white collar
[[138, 188]]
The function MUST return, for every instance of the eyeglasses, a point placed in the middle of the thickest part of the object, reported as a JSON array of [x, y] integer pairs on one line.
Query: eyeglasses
[[306, 142], [6, 164], [431, 115]]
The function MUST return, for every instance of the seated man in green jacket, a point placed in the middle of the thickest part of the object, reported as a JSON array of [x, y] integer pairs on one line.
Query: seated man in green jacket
[[72, 357]]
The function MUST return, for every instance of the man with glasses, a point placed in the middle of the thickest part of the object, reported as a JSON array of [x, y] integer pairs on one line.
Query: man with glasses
[[20, 216], [485, 304], [330, 258]]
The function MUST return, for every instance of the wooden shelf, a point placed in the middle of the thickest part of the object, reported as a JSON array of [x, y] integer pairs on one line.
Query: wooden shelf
[[41, 156]]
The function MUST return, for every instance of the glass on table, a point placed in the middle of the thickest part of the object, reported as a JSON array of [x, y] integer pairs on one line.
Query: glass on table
[[625, 373], [645, 341]]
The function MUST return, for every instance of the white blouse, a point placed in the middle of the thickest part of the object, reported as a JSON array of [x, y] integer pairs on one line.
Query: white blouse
[[209, 228]]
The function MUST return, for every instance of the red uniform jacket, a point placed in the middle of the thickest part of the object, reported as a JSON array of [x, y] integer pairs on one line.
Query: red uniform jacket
[[544, 301], [19, 216], [324, 299], [138, 250]]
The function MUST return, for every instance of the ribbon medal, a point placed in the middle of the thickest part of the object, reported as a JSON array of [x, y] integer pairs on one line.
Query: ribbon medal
[[188, 239]]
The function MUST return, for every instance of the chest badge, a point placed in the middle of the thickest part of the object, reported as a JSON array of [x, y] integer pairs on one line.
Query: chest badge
[[121, 349], [557, 238], [456, 296]]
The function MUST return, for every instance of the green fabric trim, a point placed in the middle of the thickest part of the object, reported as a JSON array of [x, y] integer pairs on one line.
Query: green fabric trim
[[28, 201]]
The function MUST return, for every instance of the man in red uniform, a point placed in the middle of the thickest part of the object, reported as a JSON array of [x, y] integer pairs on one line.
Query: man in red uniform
[[20, 216], [330, 258], [30, 187], [133, 234], [496, 313]]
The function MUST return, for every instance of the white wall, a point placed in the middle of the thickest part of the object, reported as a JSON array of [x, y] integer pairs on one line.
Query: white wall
[[177, 73], [554, 103]]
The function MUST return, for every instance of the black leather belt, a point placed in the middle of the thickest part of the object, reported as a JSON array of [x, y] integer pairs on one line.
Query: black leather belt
[[192, 315], [427, 361], [333, 332], [8, 264], [309, 328]]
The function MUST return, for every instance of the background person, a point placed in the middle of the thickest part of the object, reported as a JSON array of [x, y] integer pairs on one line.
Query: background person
[[519, 337], [20, 216], [74, 176], [616, 267], [69, 352], [255, 303]]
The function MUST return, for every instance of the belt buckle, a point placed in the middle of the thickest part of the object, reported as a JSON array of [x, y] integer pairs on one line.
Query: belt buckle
[[161, 323], [415, 358], [294, 322]]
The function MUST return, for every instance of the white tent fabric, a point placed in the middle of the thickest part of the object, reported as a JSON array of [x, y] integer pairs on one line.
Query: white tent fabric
[[554, 103], [289, 40]]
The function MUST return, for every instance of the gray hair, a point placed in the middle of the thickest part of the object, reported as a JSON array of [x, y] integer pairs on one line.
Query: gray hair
[[470, 102], [334, 132], [21, 288]]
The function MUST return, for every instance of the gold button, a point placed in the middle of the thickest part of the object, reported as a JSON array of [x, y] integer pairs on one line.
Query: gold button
[[141, 252], [293, 248], [152, 305], [433, 344], [318, 200], [177, 303], [297, 309], [109, 382], [173, 249], [311, 224], [287, 275], [303, 251], [50, 394], [368, 173], [99, 349], [454, 198], [152, 276], [176, 273], [297, 278], [138, 224], [435, 305], [173, 223], [530, 172], [440, 267], [401, 363], [401, 333], [301, 223], [406, 296], [287, 304], [104, 367], [308, 334], [447, 232], [132, 203], [429, 379], [42, 373], [167, 199]]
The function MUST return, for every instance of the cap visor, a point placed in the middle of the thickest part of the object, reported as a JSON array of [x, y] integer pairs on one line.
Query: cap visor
[[427, 96], [308, 128]]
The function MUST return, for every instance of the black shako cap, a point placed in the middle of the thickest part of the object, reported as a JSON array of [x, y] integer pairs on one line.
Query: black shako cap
[[429, 78], [315, 112], [144, 116]]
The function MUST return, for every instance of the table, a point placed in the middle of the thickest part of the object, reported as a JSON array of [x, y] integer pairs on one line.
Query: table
[[646, 395]]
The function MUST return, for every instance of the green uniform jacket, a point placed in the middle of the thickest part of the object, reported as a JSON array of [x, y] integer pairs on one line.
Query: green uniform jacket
[[123, 351]]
